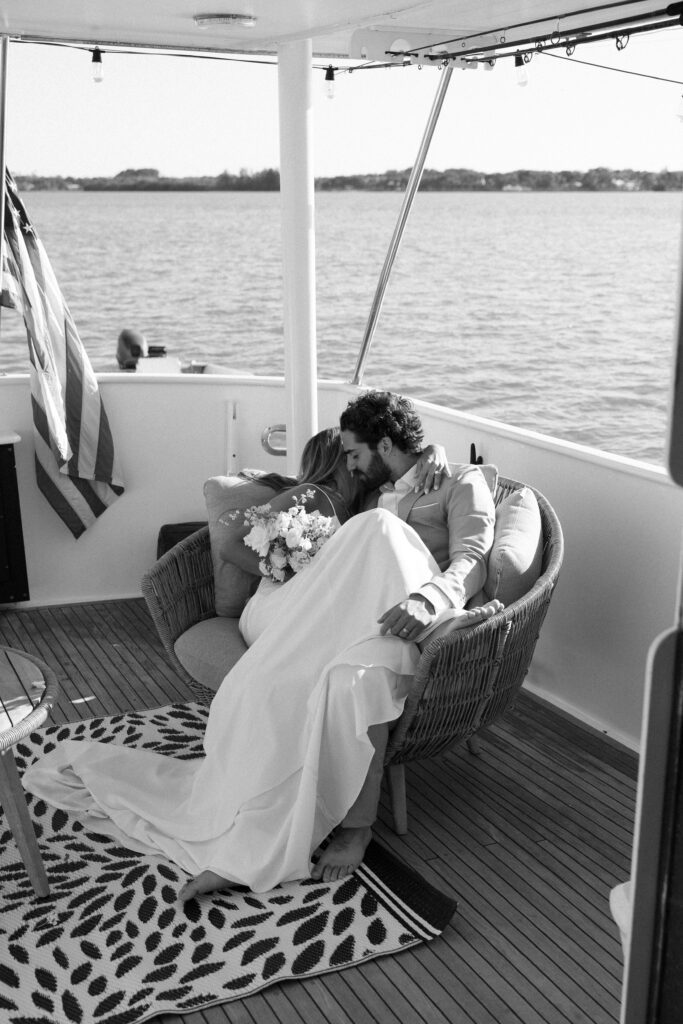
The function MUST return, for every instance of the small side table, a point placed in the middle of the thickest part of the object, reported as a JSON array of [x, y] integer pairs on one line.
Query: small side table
[[28, 689]]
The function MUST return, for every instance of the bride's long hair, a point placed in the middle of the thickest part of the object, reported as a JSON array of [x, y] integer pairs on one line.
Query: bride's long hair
[[320, 459]]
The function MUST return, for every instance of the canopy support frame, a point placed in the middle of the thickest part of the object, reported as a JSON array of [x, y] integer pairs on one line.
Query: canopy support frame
[[397, 237], [298, 245], [4, 56]]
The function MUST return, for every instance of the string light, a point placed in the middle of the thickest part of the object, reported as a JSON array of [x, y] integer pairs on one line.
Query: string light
[[97, 69], [329, 82], [520, 70], [370, 66]]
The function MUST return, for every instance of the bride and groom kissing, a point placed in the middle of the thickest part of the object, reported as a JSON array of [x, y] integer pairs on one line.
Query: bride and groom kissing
[[296, 735]]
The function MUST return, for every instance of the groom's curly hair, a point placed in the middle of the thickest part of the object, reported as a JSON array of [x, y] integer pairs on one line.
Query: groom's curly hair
[[378, 414]]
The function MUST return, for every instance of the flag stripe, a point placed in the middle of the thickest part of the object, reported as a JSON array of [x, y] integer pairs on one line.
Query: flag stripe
[[73, 391], [10, 296], [89, 494], [61, 503], [87, 500], [104, 465], [102, 489], [40, 426], [76, 465]]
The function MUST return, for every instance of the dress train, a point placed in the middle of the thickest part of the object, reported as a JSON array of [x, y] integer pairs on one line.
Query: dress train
[[286, 746]]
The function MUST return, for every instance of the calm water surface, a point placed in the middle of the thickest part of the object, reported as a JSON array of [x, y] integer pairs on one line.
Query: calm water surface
[[549, 311]]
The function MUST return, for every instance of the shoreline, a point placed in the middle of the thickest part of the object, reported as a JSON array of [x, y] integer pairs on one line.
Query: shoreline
[[600, 179]]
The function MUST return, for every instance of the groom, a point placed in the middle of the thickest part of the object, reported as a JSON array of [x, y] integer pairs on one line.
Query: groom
[[382, 437]]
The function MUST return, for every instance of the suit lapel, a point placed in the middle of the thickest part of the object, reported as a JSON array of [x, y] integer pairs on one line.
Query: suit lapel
[[405, 505]]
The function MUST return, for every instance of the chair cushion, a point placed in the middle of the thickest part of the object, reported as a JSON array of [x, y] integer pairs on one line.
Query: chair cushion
[[224, 494], [490, 473], [171, 533], [209, 649], [515, 559]]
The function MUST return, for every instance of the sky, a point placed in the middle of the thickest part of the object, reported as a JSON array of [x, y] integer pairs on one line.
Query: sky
[[188, 117]]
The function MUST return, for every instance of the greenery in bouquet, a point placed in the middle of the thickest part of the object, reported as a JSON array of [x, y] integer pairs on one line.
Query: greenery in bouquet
[[286, 541]]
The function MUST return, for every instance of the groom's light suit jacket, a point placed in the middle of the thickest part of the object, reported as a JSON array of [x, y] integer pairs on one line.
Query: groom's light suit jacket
[[456, 524]]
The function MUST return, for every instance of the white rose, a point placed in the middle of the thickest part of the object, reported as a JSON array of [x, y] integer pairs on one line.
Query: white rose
[[299, 560], [258, 539], [278, 559], [294, 535], [282, 523]]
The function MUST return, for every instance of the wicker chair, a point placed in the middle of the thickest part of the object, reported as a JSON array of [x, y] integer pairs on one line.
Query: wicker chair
[[467, 679], [179, 592], [464, 680]]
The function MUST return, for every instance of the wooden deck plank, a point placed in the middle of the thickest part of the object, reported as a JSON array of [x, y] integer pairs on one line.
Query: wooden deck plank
[[579, 768], [471, 992], [514, 932], [527, 860], [450, 798], [145, 649], [610, 757], [124, 654], [577, 775], [528, 838], [391, 977], [15, 633], [479, 787], [104, 690], [559, 786], [95, 660], [550, 802]]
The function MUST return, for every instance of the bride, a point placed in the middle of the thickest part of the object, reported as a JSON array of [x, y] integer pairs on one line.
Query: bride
[[286, 744]]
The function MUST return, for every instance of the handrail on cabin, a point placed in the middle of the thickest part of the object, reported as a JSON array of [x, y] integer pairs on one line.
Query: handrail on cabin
[[411, 189], [267, 439]]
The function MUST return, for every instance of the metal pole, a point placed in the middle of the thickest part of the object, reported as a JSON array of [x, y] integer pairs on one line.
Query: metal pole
[[298, 244], [411, 189], [4, 49]]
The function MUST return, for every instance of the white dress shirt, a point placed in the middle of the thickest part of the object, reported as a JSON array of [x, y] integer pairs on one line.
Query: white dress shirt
[[389, 497], [391, 493]]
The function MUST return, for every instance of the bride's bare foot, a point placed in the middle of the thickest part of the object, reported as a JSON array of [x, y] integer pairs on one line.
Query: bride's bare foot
[[468, 616], [459, 620], [208, 881], [342, 855]]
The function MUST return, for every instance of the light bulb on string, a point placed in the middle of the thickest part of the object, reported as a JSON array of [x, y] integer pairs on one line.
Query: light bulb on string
[[329, 83], [97, 69], [520, 70]]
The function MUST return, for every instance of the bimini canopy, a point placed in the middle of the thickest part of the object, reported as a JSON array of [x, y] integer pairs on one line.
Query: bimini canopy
[[375, 30]]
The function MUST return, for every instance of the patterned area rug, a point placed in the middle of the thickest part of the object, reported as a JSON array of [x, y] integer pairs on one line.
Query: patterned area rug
[[111, 944]]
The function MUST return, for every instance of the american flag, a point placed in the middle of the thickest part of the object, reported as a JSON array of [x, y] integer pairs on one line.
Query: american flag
[[76, 467]]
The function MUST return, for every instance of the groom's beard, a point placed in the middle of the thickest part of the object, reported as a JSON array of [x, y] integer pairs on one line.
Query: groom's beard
[[374, 476]]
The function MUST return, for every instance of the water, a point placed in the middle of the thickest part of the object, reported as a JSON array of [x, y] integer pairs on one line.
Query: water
[[551, 311]]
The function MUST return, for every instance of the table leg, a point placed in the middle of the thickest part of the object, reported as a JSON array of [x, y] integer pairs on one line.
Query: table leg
[[13, 800]]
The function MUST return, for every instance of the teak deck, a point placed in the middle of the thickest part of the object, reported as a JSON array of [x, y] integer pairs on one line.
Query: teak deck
[[529, 837]]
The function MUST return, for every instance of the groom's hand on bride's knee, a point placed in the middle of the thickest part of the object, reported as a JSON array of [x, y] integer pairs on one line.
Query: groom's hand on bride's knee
[[409, 618]]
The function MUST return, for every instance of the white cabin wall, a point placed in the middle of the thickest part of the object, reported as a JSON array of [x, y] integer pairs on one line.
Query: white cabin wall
[[617, 589], [621, 520], [171, 434]]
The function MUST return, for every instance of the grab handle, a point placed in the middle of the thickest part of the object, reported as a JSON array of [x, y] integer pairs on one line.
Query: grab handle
[[272, 433]]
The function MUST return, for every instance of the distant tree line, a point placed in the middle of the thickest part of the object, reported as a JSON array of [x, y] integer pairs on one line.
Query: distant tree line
[[598, 179]]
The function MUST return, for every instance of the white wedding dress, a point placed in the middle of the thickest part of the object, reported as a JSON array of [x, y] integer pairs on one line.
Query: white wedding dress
[[286, 741]]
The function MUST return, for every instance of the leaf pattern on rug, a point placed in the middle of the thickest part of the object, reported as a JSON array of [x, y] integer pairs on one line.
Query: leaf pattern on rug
[[112, 944]]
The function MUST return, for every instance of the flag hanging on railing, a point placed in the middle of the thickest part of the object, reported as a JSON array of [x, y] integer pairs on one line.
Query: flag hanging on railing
[[76, 468]]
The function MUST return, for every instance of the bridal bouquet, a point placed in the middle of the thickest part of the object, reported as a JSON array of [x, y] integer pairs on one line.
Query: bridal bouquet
[[286, 541]]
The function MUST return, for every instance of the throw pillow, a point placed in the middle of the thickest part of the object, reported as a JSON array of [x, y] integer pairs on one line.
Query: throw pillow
[[516, 556], [225, 494], [490, 473]]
